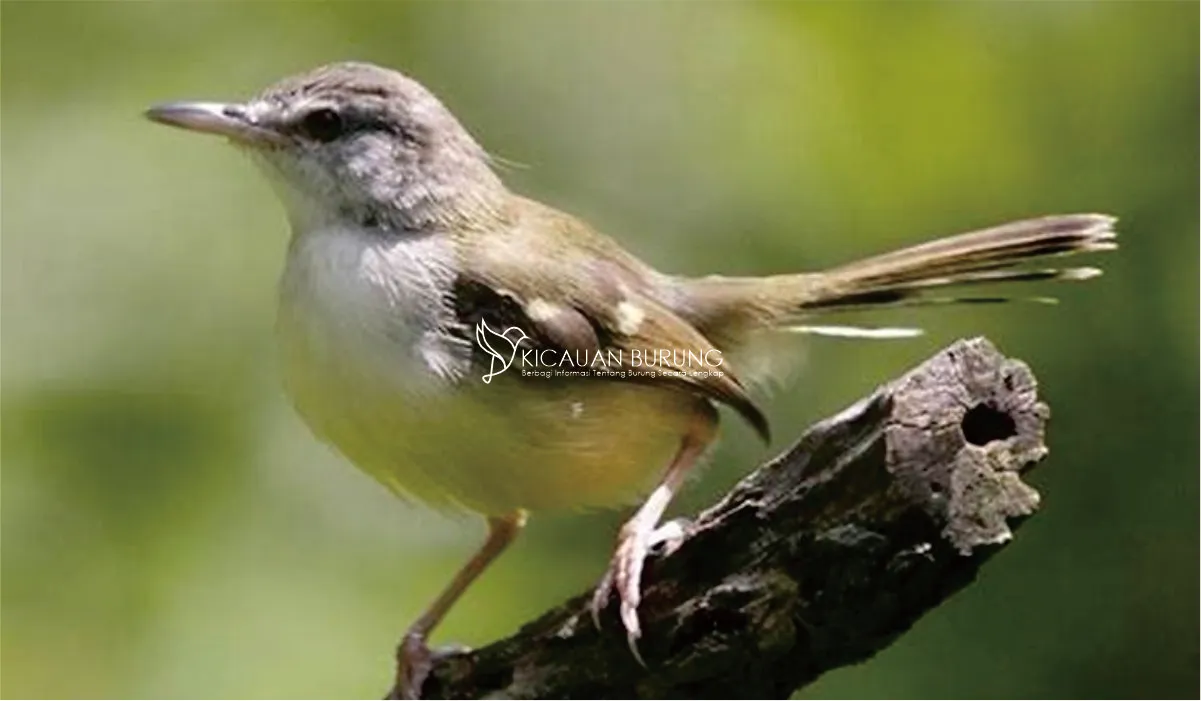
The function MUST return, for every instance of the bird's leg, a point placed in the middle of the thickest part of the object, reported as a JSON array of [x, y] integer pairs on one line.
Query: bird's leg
[[639, 533], [414, 660]]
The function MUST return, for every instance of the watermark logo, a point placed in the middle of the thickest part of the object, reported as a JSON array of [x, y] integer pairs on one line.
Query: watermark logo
[[507, 340], [509, 348]]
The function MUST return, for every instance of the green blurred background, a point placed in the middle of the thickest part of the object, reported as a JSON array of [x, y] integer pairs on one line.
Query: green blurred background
[[171, 529]]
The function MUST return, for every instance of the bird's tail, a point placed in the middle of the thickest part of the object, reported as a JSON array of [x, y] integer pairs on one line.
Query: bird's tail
[[918, 275]]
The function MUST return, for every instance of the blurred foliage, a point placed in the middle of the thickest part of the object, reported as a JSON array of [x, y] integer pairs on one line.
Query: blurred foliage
[[170, 528]]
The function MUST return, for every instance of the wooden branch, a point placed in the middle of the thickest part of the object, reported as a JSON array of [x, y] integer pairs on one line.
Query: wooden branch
[[817, 560]]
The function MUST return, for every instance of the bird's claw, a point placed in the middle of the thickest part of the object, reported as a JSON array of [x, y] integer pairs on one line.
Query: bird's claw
[[625, 576], [600, 597]]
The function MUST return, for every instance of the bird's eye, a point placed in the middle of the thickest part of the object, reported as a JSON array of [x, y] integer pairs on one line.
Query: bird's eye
[[323, 125]]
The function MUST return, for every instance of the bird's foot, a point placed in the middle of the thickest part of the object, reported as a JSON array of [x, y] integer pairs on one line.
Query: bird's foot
[[625, 574], [414, 661]]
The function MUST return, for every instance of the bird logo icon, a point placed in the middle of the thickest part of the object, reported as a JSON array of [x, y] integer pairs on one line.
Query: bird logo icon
[[485, 337]]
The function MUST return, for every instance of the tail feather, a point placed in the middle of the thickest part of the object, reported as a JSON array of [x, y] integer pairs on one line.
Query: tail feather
[[1016, 240], [964, 259], [876, 301], [875, 333], [995, 276], [913, 290], [947, 263], [905, 277]]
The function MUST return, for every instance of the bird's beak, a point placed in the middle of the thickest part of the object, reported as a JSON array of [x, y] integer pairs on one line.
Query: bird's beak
[[222, 119]]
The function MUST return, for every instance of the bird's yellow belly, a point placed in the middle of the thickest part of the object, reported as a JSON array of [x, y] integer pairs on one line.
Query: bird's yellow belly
[[491, 448]]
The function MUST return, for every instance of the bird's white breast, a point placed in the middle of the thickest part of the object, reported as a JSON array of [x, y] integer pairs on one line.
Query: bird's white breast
[[363, 303]]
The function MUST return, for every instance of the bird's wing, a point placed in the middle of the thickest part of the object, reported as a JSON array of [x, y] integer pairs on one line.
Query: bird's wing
[[597, 316]]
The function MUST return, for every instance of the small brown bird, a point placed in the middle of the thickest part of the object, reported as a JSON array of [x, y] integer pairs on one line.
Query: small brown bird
[[474, 349]]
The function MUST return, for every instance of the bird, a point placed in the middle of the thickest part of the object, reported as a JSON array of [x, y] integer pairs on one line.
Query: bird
[[407, 249]]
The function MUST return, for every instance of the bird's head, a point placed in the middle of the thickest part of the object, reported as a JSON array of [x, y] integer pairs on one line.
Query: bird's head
[[355, 142]]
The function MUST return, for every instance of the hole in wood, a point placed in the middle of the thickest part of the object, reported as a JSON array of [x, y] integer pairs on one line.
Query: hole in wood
[[983, 424]]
